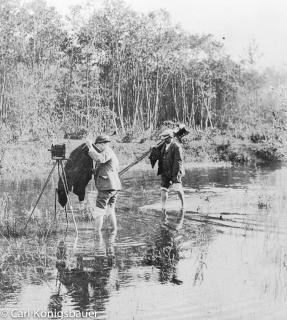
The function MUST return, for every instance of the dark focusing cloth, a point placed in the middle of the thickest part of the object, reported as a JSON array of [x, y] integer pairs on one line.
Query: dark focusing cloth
[[78, 170]]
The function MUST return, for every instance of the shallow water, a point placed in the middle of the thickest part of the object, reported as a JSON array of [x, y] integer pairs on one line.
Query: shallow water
[[227, 259]]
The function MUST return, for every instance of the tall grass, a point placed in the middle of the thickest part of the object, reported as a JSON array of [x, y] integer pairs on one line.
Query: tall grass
[[24, 252], [21, 259], [12, 225]]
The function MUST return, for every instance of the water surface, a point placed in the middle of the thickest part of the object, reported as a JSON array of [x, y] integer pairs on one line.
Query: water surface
[[227, 259]]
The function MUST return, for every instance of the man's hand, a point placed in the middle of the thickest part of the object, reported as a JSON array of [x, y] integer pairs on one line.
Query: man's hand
[[89, 143]]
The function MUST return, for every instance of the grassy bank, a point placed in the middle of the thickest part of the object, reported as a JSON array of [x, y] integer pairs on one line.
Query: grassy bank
[[235, 148], [32, 159]]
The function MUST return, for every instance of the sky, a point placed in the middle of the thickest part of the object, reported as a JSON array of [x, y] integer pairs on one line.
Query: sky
[[237, 23]]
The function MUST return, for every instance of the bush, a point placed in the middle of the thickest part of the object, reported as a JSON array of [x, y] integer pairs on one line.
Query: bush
[[256, 137], [128, 137], [76, 133]]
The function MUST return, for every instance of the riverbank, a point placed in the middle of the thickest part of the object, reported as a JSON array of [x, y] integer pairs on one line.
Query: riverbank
[[30, 159]]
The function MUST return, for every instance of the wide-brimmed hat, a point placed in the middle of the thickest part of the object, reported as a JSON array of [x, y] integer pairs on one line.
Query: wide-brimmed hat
[[166, 134], [103, 139]]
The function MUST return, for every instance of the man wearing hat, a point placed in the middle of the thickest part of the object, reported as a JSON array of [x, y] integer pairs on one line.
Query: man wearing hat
[[170, 167], [107, 180]]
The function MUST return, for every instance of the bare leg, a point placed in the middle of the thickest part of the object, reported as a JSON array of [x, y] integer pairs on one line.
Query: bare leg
[[180, 220], [164, 197], [110, 243], [98, 215], [98, 237], [99, 223], [113, 219], [112, 216], [180, 193]]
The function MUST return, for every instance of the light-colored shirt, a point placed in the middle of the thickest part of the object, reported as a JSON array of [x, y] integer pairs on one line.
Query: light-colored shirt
[[167, 146]]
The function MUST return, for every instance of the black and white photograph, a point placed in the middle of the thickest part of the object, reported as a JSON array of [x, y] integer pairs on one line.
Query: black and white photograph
[[143, 159]]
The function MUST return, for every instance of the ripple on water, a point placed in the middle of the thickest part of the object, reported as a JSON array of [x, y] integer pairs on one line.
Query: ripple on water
[[227, 261]]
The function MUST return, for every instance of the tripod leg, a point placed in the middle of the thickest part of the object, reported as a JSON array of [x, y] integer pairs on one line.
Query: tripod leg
[[66, 215], [55, 204], [40, 195], [68, 197]]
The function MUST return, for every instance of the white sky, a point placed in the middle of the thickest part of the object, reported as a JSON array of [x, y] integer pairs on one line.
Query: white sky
[[239, 21]]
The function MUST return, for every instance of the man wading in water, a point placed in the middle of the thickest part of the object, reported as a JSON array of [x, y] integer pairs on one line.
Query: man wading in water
[[107, 181], [170, 168]]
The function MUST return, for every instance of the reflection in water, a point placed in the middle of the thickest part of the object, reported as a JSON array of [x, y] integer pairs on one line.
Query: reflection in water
[[226, 260], [164, 252], [90, 278], [199, 273]]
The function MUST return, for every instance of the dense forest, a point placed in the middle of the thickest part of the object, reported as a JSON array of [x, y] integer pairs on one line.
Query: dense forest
[[113, 68]]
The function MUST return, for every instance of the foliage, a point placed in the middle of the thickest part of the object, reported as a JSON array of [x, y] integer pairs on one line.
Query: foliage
[[113, 69], [234, 146]]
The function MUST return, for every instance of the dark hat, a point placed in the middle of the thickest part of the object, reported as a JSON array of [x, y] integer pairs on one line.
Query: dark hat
[[102, 139]]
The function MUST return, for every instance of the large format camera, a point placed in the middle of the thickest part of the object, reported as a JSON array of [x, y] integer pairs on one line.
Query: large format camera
[[58, 151]]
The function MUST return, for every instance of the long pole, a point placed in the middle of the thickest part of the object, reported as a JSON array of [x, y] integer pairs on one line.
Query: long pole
[[144, 155], [140, 158]]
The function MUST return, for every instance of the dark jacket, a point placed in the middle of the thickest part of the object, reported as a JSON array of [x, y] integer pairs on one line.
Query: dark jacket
[[174, 167]]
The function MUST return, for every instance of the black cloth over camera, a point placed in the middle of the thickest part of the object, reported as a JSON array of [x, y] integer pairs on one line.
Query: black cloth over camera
[[78, 170]]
